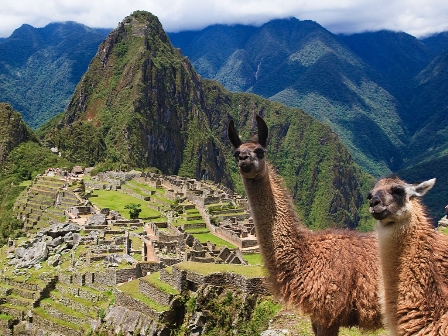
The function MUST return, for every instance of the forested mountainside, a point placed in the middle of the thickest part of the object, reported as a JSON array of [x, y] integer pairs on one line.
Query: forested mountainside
[[40, 67], [379, 91], [345, 81], [141, 104], [13, 131], [22, 157]]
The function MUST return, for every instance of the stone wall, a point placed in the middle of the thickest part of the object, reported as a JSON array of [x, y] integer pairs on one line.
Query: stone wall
[[100, 185], [149, 267], [124, 176], [128, 302], [233, 238], [23, 285], [83, 293], [106, 278], [63, 316], [76, 306], [55, 327], [237, 281], [18, 314], [79, 279], [176, 279], [123, 275], [5, 327], [154, 293]]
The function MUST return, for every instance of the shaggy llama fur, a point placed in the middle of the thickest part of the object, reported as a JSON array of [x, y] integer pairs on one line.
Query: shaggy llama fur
[[331, 275], [414, 260]]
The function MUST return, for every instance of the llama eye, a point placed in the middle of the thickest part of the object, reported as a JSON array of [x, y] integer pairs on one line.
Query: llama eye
[[398, 190], [260, 152]]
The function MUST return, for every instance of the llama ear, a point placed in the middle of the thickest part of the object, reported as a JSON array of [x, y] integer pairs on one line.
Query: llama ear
[[262, 132], [420, 189], [233, 135]]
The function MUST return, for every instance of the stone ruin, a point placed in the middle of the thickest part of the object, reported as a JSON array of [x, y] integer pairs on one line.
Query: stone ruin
[[102, 241]]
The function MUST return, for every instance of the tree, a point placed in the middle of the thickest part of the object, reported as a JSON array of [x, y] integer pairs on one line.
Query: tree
[[134, 210]]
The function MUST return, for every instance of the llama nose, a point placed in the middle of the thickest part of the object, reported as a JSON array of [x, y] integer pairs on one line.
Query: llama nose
[[243, 157], [375, 200]]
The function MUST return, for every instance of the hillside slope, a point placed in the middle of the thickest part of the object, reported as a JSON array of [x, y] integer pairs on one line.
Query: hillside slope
[[22, 157], [141, 104], [300, 64], [40, 67], [13, 131]]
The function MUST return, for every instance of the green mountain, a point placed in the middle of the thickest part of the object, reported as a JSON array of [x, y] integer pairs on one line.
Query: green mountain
[[397, 56], [40, 67], [301, 64], [22, 157], [427, 154], [13, 131], [436, 43], [141, 104]]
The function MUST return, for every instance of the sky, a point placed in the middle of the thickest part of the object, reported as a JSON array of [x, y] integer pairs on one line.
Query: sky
[[419, 18]]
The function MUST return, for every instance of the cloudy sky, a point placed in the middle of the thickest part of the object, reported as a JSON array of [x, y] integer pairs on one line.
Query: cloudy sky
[[416, 17]]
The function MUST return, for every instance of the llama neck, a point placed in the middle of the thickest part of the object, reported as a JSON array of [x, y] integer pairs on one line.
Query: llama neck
[[275, 220], [398, 243]]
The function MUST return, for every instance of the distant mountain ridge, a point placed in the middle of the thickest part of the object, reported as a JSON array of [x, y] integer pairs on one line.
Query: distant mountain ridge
[[40, 67]]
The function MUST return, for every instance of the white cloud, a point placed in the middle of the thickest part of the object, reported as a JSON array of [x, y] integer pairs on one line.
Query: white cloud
[[344, 16]]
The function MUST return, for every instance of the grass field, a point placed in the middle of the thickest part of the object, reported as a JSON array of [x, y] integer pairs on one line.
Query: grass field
[[206, 269], [253, 259], [204, 237], [115, 200]]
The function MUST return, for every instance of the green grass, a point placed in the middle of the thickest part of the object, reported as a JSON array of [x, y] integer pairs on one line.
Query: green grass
[[115, 200], [153, 279], [131, 289], [204, 237], [180, 221], [254, 259], [21, 308], [5, 316], [136, 243], [206, 269], [25, 183]]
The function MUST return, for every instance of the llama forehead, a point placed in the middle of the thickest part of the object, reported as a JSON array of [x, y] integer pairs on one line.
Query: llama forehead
[[250, 146], [386, 185]]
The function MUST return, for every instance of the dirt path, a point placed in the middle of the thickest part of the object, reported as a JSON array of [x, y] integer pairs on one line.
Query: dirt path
[[150, 254]]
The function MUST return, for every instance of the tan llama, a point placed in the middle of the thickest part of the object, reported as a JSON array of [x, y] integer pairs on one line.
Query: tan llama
[[414, 259], [331, 275]]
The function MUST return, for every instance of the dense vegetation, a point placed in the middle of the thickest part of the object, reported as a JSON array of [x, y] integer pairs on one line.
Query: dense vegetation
[[40, 67]]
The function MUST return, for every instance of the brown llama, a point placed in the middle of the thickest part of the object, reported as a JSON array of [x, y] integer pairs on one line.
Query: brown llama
[[331, 275], [413, 258]]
